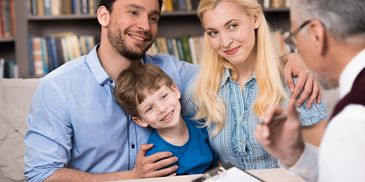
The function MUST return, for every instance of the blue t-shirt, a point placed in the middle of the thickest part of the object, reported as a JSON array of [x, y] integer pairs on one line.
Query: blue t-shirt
[[195, 157]]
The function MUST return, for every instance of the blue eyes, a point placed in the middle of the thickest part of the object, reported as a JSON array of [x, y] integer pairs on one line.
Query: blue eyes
[[230, 27], [212, 34]]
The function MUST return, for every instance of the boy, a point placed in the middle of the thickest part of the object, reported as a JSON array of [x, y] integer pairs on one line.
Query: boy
[[150, 96]]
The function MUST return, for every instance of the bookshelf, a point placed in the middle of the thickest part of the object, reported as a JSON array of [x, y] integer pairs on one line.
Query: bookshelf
[[172, 24]]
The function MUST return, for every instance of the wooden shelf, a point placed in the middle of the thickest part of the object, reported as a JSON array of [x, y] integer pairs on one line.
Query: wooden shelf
[[7, 39], [164, 14], [85, 17], [61, 17], [276, 10], [172, 24], [179, 13]]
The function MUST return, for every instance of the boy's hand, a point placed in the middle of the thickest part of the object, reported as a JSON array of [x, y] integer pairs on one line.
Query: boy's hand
[[154, 165], [307, 86]]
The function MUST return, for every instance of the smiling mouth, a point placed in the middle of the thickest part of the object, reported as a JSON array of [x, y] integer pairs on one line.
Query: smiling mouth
[[231, 51], [168, 116], [138, 36]]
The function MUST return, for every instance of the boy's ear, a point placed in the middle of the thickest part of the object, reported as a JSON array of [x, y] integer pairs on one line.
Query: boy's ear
[[139, 121], [176, 90]]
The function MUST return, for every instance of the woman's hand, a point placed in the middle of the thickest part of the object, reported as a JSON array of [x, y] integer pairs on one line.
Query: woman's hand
[[306, 87]]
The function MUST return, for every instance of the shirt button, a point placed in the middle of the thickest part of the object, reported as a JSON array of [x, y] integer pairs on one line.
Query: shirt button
[[132, 146], [111, 81]]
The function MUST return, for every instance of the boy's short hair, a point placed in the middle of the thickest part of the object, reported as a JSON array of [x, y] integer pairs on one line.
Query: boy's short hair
[[135, 82]]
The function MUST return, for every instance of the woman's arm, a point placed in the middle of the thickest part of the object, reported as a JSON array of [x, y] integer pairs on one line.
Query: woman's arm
[[306, 86]]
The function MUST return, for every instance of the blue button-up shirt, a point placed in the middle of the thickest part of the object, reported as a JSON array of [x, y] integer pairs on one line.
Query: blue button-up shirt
[[75, 122], [236, 143]]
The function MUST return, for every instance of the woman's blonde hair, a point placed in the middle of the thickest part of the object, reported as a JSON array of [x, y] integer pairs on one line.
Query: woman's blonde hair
[[210, 107]]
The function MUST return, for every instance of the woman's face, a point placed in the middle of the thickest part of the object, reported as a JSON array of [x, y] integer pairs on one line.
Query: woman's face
[[231, 32]]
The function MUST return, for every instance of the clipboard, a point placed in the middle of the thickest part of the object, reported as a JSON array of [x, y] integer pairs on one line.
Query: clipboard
[[227, 173]]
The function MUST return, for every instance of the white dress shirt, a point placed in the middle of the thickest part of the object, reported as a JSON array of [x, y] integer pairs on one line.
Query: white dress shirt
[[341, 156]]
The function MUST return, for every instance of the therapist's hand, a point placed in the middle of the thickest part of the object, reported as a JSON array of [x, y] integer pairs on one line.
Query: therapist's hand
[[281, 138], [154, 165], [306, 87]]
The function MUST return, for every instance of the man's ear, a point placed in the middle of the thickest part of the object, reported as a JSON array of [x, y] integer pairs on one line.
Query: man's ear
[[176, 91], [103, 16], [318, 36], [139, 121]]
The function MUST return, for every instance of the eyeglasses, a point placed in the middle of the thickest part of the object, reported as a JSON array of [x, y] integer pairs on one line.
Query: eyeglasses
[[289, 38]]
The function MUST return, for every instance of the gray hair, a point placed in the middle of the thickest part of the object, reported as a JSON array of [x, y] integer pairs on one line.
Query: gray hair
[[343, 18]]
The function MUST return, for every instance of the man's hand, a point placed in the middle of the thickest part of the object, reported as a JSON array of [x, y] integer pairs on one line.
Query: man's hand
[[281, 138], [154, 165], [307, 86]]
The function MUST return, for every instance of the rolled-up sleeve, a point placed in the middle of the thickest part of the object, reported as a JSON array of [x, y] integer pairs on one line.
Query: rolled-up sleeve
[[313, 115], [48, 141]]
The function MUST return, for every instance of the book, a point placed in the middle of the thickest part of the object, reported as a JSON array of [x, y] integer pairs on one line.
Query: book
[[37, 57], [186, 48], [2, 63]]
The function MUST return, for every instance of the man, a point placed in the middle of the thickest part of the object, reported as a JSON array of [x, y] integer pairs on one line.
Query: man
[[330, 35], [77, 132]]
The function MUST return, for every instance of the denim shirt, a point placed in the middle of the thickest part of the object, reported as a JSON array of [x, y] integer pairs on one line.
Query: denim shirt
[[236, 143], [74, 121]]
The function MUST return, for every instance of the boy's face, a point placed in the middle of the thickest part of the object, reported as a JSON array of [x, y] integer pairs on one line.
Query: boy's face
[[160, 109]]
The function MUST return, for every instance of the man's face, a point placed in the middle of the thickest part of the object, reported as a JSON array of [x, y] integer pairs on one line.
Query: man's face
[[309, 49], [133, 26]]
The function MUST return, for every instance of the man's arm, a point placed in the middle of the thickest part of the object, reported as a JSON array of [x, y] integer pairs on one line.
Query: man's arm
[[306, 87], [49, 141], [313, 134], [151, 166], [283, 140]]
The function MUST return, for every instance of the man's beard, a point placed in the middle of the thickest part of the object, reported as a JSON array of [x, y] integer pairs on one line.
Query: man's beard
[[326, 82], [132, 53]]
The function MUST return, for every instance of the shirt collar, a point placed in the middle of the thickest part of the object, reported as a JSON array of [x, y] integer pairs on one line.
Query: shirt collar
[[93, 61], [350, 72], [226, 77]]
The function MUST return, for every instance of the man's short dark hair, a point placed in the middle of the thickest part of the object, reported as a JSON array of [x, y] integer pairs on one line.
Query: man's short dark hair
[[109, 4]]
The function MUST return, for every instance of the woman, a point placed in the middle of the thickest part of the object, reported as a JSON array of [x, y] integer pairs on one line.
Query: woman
[[240, 77]]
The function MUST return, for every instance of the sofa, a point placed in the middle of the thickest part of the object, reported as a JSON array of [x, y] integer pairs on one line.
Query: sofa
[[15, 97]]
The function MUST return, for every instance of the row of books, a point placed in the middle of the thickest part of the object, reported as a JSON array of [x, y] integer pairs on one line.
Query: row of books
[[8, 69], [48, 53], [275, 3], [190, 49], [7, 18], [62, 7], [180, 5], [184, 47]]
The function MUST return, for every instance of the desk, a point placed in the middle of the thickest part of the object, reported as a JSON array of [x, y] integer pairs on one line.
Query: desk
[[269, 175]]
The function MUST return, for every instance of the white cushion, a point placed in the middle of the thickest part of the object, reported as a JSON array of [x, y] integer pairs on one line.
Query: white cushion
[[15, 98]]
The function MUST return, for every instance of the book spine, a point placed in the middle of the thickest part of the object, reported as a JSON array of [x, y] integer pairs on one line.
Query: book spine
[[37, 56]]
